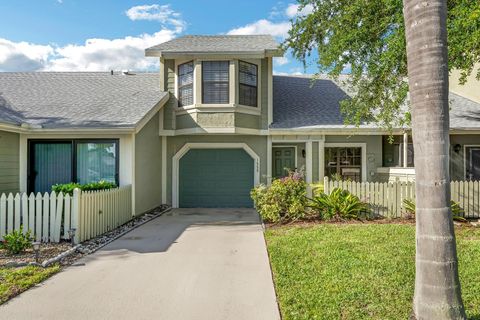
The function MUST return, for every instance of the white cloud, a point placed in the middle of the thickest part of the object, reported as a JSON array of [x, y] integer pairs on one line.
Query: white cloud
[[23, 56], [264, 26], [280, 61], [292, 10], [96, 54], [155, 12], [106, 54]]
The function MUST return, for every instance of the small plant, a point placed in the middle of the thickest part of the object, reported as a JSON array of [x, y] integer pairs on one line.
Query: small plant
[[457, 211], [67, 188], [284, 200], [338, 205], [16, 242]]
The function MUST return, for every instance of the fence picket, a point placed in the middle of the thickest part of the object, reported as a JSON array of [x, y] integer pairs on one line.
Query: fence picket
[[3, 215], [46, 217], [67, 217], [10, 213], [38, 217], [58, 207], [17, 212], [25, 213]]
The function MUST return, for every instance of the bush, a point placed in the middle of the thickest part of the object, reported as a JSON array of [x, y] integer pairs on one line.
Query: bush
[[338, 205], [69, 187], [283, 201], [457, 211], [16, 242]]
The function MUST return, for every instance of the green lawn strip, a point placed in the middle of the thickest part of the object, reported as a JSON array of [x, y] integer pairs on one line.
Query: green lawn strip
[[357, 271], [13, 281]]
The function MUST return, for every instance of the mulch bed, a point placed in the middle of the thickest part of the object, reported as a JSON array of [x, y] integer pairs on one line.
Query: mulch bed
[[47, 251]]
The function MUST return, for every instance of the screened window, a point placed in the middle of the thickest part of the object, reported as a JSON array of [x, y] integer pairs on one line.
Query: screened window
[[343, 163], [185, 84], [215, 77], [247, 81], [64, 161]]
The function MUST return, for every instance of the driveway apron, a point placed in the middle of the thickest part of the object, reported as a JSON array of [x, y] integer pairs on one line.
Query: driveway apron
[[187, 264]]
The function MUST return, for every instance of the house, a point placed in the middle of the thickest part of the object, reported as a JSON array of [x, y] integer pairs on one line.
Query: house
[[211, 124]]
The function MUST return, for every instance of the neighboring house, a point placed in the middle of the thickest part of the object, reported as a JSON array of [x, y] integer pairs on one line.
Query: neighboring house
[[203, 131]]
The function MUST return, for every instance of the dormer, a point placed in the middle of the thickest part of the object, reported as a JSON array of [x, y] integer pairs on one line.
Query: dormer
[[218, 83]]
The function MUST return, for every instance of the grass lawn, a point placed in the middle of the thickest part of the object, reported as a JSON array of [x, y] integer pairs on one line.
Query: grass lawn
[[358, 271], [17, 280]]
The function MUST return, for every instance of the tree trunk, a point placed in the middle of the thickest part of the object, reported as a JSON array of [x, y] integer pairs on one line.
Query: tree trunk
[[437, 285]]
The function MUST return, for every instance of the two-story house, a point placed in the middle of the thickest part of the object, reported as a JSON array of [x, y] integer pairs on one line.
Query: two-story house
[[211, 124]]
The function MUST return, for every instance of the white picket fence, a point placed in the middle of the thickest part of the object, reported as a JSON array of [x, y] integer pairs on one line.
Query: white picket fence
[[49, 216], [386, 198]]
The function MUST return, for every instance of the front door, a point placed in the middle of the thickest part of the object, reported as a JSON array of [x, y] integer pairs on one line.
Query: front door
[[283, 161], [474, 169]]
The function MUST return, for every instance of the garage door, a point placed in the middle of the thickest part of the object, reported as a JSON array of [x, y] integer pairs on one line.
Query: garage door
[[215, 178]]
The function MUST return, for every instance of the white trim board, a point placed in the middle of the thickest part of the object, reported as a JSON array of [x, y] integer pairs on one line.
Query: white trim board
[[188, 146], [362, 145]]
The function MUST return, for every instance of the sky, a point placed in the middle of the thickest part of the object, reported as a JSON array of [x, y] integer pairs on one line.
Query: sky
[[101, 35]]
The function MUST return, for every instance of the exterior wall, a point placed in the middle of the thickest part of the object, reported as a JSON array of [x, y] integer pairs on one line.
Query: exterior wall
[[257, 143], [264, 92], [169, 85], [148, 167], [457, 164], [374, 151], [9, 162], [468, 90]]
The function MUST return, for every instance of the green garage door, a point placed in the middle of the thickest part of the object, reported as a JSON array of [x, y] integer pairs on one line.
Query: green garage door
[[215, 178]]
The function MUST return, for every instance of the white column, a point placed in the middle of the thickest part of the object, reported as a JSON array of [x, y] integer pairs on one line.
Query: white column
[[405, 149], [321, 159], [269, 160], [164, 170], [309, 166]]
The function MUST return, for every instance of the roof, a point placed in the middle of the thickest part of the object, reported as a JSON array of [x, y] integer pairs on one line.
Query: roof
[[299, 102], [77, 99], [264, 45]]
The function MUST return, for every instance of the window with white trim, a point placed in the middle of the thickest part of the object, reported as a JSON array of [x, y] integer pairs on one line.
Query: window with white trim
[[185, 84], [247, 83], [215, 82]]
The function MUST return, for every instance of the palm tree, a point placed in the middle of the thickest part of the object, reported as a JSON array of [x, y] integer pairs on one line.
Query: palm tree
[[437, 286]]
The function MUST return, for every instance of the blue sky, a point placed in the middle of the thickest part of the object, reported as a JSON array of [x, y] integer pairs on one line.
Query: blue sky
[[99, 35]]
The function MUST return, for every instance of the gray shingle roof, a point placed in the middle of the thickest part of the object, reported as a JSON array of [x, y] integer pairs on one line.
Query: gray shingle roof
[[77, 99], [298, 103], [237, 44]]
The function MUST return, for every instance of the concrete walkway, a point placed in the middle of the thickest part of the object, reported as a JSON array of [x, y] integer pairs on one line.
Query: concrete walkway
[[187, 264]]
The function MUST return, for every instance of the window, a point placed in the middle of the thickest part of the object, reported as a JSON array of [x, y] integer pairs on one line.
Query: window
[[393, 152], [64, 161], [344, 163], [185, 84], [247, 84], [215, 78]]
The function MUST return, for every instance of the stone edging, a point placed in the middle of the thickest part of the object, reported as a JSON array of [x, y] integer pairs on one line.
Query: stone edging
[[59, 257]]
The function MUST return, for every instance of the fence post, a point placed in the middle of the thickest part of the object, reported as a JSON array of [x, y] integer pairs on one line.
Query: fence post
[[75, 222], [325, 185]]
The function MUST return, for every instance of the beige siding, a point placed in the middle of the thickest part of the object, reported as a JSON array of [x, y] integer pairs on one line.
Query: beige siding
[[264, 93], [169, 113], [468, 90], [9, 162], [148, 167]]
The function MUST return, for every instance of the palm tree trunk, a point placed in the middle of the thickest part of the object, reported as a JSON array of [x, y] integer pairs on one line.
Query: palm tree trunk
[[437, 285]]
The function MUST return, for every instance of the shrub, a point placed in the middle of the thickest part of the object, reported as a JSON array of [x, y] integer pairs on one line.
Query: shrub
[[69, 187], [284, 200], [338, 205], [457, 211], [16, 242]]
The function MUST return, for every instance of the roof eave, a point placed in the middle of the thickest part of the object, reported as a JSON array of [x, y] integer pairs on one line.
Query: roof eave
[[151, 52]]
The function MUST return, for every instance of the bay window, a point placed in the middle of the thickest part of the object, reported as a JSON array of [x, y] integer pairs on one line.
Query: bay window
[[185, 84], [215, 82], [247, 83]]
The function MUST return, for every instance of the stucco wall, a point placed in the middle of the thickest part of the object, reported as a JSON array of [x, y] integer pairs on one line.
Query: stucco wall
[[148, 167], [457, 167], [9, 162], [257, 143], [468, 90], [374, 150]]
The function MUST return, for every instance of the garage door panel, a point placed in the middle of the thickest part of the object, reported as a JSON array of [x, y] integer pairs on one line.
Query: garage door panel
[[215, 178]]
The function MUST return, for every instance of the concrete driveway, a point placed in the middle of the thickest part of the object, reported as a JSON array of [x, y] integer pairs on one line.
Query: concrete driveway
[[187, 264]]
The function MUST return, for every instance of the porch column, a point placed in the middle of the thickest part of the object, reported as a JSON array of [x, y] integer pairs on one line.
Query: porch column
[[405, 149], [269, 161], [321, 160], [309, 166]]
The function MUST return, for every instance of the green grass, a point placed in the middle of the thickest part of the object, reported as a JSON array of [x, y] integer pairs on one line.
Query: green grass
[[358, 271], [16, 280]]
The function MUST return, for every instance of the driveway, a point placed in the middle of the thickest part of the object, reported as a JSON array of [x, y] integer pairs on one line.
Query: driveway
[[187, 264]]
